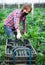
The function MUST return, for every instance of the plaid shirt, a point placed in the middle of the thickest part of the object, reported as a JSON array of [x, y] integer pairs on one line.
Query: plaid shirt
[[13, 20]]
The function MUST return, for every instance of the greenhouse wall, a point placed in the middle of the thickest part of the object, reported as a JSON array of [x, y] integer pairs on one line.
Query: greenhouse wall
[[37, 5]]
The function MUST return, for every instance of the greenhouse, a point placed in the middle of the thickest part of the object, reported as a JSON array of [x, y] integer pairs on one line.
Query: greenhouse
[[27, 45]]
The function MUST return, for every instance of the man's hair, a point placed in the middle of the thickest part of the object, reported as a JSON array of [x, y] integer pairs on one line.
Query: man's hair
[[27, 6]]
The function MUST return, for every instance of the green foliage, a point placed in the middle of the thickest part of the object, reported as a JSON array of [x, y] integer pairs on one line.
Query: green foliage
[[40, 59], [35, 32]]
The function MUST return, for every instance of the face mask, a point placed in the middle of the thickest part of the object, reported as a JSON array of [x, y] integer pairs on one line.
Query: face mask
[[24, 14]]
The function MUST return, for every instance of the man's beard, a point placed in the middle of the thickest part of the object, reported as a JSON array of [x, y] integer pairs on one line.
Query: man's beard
[[24, 14]]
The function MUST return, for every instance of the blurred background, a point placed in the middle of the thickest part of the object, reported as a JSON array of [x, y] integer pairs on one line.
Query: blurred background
[[35, 26]]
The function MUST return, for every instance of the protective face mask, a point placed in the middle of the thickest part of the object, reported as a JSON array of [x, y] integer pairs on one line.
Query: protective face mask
[[24, 14]]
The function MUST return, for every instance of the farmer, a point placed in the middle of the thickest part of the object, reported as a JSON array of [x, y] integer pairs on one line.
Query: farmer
[[13, 20]]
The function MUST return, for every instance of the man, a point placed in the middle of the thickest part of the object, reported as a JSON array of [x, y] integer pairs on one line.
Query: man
[[14, 19]]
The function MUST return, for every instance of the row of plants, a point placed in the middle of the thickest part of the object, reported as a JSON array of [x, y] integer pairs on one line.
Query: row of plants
[[36, 34]]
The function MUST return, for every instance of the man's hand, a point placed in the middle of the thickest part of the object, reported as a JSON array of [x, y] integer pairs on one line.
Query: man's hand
[[18, 34], [25, 33]]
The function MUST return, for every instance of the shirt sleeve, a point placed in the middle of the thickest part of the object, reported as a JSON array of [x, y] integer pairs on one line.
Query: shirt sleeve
[[24, 24], [16, 21]]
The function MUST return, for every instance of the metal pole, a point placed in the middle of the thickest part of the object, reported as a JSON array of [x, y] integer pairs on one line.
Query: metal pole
[[18, 6], [32, 10]]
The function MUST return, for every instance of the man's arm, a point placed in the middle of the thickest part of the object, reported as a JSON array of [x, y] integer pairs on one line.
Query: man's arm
[[16, 25], [16, 22], [24, 25]]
